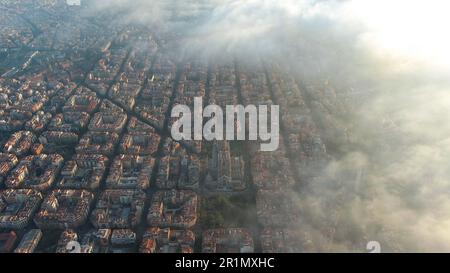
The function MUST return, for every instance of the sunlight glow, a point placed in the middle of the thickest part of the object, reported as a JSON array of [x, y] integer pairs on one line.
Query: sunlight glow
[[407, 28]]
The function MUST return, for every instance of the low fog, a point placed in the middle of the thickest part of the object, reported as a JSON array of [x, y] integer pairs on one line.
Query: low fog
[[389, 180]]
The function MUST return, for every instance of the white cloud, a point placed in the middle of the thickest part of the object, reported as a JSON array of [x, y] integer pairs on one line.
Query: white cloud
[[74, 2]]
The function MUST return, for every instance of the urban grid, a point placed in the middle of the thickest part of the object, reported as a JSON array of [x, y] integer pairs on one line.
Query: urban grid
[[87, 154]]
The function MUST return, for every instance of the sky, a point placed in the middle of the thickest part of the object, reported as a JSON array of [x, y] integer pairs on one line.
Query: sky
[[395, 50]]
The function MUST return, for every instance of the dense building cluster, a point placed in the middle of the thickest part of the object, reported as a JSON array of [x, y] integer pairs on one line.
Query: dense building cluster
[[35, 172], [17, 207], [193, 82], [227, 240], [118, 209], [167, 240], [177, 209], [108, 122], [63, 209], [83, 171], [276, 208], [178, 169], [7, 163], [272, 170], [98, 143], [123, 237], [130, 172], [155, 97], [302, 134], [20, 143], [276, 240], [29, 241], [140, 139], [86, 150], [71, 122], [38, 122]]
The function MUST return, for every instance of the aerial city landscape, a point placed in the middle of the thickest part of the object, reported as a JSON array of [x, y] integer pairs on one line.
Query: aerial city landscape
[[86, 153]]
